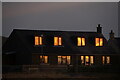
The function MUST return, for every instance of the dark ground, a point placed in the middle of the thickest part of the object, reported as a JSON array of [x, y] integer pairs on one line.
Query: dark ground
[[61, 76]]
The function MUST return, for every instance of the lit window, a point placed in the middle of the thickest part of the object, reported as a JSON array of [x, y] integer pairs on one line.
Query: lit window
[[82, 59], [59, 60], [108, 59], [91, 60], [80, 41], [88, 60], [63, 59], [103, 59], [99, 41], [43, 59], [68, 59], [57, 41], [38, 40]]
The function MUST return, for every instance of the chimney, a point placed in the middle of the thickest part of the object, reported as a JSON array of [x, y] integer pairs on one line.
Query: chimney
[[111, 35], [99, 29]]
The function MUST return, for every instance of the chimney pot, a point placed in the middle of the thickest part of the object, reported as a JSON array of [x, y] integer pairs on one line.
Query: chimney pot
[[99, 29], [111, 35]]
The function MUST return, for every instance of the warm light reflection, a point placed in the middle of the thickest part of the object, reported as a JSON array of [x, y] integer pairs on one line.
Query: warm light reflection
[[36, 40], [108, 59], [80, 41]]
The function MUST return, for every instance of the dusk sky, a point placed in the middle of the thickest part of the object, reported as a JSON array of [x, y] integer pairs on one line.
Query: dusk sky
[[60, 16]]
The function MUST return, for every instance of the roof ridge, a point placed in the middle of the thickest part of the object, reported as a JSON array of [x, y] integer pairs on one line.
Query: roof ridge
[[55, 30]]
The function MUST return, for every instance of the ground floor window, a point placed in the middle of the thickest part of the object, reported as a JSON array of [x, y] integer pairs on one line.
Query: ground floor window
[[105, 59], [87, 60], [64, 59], [44, 59]]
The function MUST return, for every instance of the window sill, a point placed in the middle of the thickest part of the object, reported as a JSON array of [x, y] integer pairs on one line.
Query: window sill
[[58, 46]]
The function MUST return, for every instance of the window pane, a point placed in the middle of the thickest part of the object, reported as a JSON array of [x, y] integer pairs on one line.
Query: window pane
[[82, 59], [97, 41], [36, 40], [64, 59], [83, 41], [108, 59], [45, 59], [68, 59], [79, 41], [101, 41], [87, 60], [103, 59], [60, 41], [91, 60], [55, 41], [40, 41], [59, 60]]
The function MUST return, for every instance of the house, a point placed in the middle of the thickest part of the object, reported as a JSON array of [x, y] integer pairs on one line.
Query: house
[[58, 48]]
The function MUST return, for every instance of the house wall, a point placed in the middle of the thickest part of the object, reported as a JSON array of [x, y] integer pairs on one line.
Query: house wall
[[98, 60], [23, 59]]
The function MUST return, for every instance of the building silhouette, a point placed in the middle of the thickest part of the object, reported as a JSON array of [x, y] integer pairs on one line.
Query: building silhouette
[[46, 50]]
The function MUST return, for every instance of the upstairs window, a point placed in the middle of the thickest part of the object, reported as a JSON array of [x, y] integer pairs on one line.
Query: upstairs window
[[57, 41], [38, 40], [99, 41], [80, 41]]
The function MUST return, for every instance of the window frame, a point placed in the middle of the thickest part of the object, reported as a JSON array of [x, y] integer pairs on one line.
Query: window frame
[[59, 41], [40, 40], [81, 41], [60, 60], [99, 44], [43, 59]]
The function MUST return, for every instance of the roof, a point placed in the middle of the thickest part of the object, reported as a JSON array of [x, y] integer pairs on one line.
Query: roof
[[25, 39]]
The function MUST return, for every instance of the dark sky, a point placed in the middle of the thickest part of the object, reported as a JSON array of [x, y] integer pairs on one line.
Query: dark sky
[[78, 16]]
